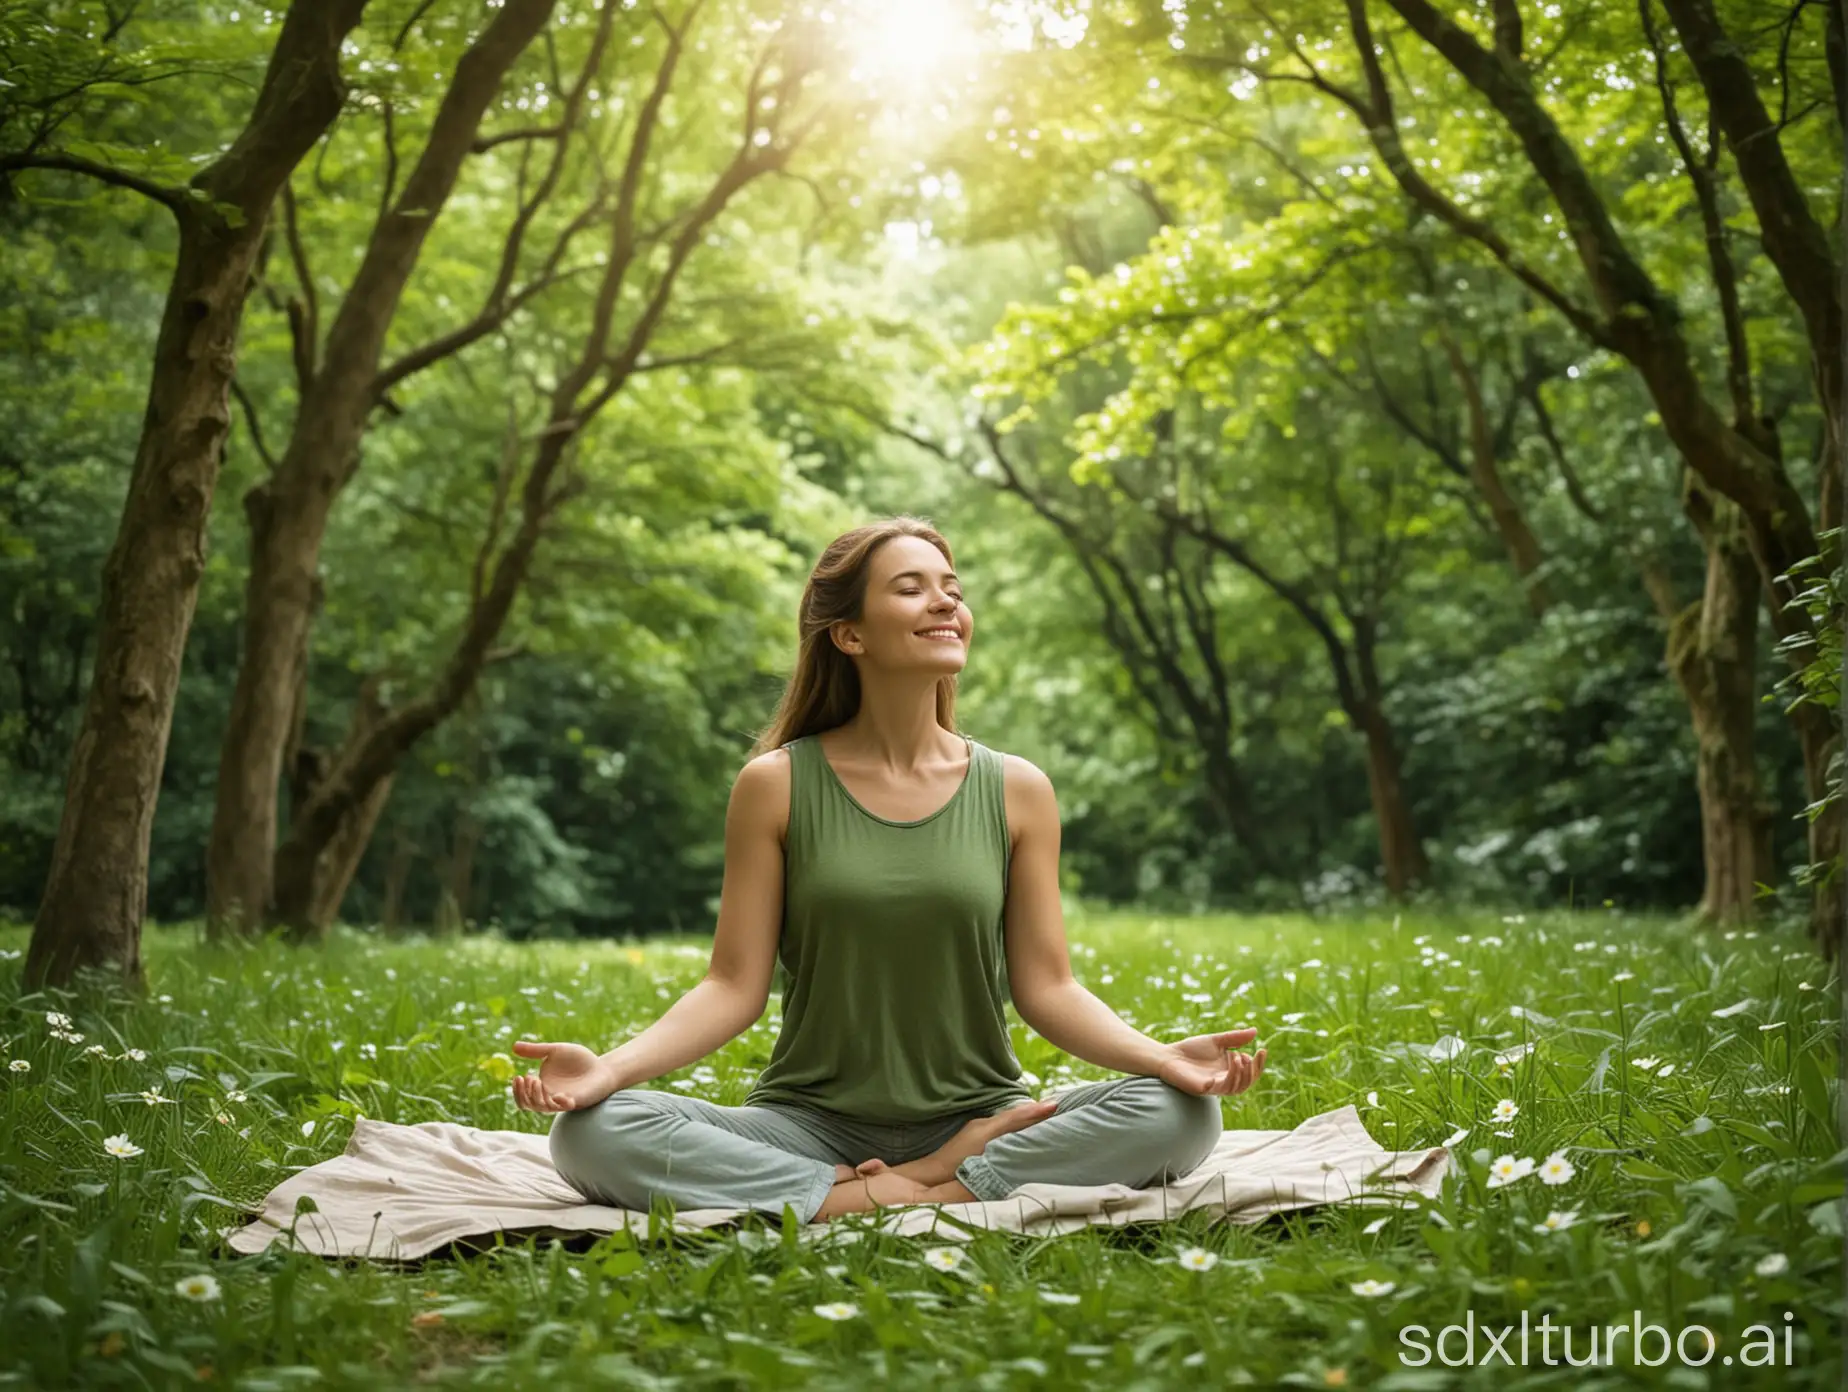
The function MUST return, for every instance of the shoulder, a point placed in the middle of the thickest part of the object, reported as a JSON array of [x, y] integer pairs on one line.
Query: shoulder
[[1031, 802], [761, 789]]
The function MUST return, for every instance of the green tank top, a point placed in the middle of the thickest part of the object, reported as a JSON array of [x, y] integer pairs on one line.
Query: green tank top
[[896, 972]]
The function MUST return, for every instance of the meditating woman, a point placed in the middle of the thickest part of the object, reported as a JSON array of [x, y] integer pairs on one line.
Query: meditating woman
[[907, 876]]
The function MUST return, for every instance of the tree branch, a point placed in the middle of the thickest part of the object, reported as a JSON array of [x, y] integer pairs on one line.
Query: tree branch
[[173, 199]]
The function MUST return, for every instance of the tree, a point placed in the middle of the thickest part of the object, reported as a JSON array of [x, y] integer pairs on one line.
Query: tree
[[96, 894], [340, 384]]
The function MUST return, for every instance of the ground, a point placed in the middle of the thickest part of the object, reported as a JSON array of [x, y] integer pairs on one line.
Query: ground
[[1686, 1077]]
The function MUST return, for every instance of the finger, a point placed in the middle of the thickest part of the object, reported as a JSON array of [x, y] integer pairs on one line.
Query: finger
[[1236, 1038], [1241, 1075], [1258, 1065], [533, 1048], [522, 1096]]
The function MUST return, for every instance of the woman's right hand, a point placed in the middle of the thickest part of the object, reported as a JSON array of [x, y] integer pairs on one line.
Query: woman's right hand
[[570, 1078]]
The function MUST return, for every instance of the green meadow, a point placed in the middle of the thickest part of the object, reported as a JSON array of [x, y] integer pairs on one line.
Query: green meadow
[[1673, 1089]]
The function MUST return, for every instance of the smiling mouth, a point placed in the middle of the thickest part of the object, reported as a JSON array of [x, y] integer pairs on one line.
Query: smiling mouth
[[931, 636]]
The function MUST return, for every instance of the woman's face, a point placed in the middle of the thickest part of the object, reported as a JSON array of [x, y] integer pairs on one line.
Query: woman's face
[[911, 591]]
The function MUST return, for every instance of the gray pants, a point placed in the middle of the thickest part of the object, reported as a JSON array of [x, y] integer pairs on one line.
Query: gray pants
[[639, 1144]]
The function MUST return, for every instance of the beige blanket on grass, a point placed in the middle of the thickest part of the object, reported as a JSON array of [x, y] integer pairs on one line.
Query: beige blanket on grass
[[400, 1192]]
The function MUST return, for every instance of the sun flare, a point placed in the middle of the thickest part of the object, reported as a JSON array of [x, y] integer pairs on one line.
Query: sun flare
[[910, 40]]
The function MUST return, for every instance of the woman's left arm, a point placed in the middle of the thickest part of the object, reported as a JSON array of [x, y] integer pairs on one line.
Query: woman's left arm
[[1058, 1007]]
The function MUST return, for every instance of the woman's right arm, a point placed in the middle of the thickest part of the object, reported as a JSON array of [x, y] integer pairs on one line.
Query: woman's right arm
[[731, 996]]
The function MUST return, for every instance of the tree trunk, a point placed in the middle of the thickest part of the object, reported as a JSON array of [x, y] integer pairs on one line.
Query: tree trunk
[[1402, 857], [1712, 653], [289, 511], [397, 875], [340, 860], [96, 893]]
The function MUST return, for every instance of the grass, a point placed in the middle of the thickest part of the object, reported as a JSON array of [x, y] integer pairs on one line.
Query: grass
[[1707, 1185]]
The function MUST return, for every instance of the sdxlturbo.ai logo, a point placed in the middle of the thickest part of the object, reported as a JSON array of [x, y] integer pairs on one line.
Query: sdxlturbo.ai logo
[[1648, 1345]]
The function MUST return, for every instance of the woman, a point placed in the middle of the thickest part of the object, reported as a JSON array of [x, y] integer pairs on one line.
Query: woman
[[908, 879]]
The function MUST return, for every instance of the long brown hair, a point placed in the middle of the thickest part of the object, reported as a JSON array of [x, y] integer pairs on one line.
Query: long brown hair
[[824, 690]]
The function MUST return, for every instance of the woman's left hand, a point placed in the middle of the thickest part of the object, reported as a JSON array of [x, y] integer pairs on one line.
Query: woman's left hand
[[1209, 1064]]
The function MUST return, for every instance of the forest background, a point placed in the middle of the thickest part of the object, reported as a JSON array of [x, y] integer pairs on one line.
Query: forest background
[[1392, 450]]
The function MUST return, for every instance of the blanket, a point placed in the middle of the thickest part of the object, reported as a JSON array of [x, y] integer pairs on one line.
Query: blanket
[[400, 1192]]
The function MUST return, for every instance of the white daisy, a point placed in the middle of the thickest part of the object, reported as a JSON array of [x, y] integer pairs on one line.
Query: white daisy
[[1556, 1169], [837, 1310], [1371, 1288], [152, 1097], [1555, 1221], [1197, 1259], [197, 1287], [234, 1096], [1506, 1109], [121, 1147], [19, 1066], [1774, 1265], [1648, 1062], [945, 1258], [138, 1055], [1507, 1169], [57, 1020], [96, 1051]]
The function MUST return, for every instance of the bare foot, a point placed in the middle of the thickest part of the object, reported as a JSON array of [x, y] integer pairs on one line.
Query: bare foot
[[859, 1194], [939, 1167]]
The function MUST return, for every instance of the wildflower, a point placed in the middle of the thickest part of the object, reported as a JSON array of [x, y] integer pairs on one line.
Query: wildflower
[[235, 1096], [197, 1287], [1335, 1377], [1665, 1070], [1376, 1225], [1507, 1169], [1371, 1288], [57, 1021], [1506, 1110], [1198, 1259], [1556, 1169], [837, 1310], [1456, 1138], [1373, 1099], [1643, 1228], [152, 1097], [1505, 1061], [1624, 976], [1294, 1016], [135, 1055], [944, 1258], [121, 1147], [1774, 1265], [423, 1319], [1058, 1298], [96, 1051], [1646, 1063], [307, 1128], [19, 1066], [1556, 1221], [224, 1119]]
